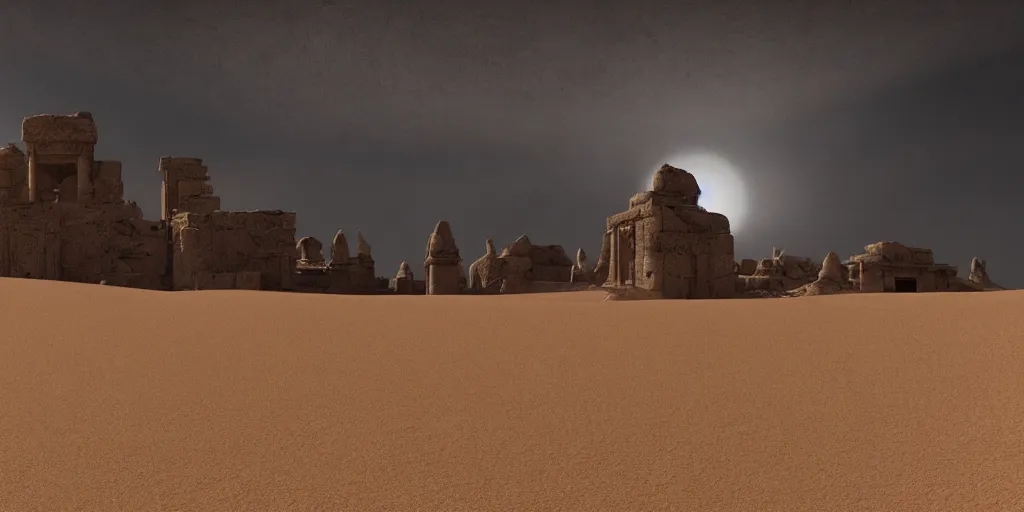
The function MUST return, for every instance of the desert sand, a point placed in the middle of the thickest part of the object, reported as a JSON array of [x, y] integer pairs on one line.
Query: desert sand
[[120, 399]]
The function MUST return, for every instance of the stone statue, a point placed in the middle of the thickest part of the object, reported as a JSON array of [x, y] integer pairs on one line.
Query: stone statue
[[581, 271], [310, 251], [979, 275], [442, 261], [831, 269], [404, 272], [482, 271], [339, 249]]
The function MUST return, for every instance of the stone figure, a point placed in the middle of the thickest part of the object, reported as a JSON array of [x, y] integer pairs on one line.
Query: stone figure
[[339, 249], [442, 261], [310, 251]]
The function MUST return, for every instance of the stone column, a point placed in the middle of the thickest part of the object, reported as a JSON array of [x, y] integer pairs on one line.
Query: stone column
[[613, 256], [32, 192], [84, 178], [442, 262]]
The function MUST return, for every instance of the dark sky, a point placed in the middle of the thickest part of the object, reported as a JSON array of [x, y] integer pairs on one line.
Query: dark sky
[[852, 121]]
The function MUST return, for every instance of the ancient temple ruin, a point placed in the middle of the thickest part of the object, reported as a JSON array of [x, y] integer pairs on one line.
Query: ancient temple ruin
[[894, 267], [63, 217], [667, 245], [62, 214]]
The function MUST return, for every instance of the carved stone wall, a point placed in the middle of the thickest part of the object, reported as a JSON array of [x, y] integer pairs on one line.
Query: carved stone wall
[[888, 266], [667, 245], [186, 187], [224, 250], [83, 243]]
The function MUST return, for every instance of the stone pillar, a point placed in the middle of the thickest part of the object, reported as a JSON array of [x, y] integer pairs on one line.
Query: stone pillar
[[613, 256], [33, 194], [442, 262], [443, 279], [84, 178]]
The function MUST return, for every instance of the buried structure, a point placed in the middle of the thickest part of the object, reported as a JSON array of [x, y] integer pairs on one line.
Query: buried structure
[[894, 267]]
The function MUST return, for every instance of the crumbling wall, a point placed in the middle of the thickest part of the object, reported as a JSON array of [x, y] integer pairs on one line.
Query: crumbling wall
[[780, 273], [13, 172], [186, 187], [223, 250], [83, 243], [107, 185]]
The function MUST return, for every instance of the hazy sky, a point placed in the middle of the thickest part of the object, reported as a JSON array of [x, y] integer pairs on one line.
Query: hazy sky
[[851, 122]]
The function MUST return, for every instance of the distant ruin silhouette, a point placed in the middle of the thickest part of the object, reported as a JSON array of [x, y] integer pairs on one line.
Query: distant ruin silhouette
[[63, 217]]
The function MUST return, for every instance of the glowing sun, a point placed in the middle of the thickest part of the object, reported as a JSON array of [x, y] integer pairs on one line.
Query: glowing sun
[[721, 184]]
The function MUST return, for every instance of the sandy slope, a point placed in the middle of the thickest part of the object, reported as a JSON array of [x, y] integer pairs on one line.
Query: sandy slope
[[115, 399]]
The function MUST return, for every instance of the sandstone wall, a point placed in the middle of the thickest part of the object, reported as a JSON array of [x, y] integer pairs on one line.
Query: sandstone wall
[[680, 250], [186, 187], [248, 250], [83, 243], [107, 186], [49, 128]]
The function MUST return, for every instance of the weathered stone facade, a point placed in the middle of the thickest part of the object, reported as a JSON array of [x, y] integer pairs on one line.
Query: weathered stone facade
[[667, 245], [186, 187], [83, 243], [227, 250], [894, 267], [63, 217]]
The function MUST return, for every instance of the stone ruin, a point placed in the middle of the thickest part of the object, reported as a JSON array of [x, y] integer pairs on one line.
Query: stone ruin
[[978, 279], [441, 262], [233, 250], [343, 274], [62, 214], [582, 272], [832, 278], [63, 217], [894, 267], [403, 283], [666, 246], [780, 273], [522, 267]]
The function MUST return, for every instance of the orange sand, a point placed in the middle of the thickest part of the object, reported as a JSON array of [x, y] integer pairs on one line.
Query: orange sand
[[116, 399]]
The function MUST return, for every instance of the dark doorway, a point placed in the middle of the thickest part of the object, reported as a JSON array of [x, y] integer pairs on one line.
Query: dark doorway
[[906, 285]]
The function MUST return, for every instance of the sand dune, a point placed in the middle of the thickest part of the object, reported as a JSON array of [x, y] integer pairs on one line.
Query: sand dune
[[117, 399]]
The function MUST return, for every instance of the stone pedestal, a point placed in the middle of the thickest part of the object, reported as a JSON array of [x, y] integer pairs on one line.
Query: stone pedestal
[[443, 278]]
